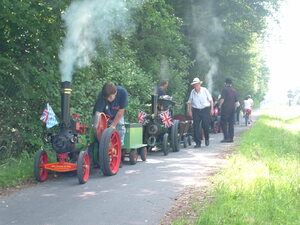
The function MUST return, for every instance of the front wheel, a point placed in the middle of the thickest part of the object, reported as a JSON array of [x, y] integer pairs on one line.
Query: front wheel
[[110, 152], [165, 145], [83, 167], [143, 153], [190, 139], [41, 158], [175, 136], [246, 119]]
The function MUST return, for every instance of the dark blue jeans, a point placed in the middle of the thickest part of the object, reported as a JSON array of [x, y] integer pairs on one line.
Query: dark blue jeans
[[201, 120], [227, 122]]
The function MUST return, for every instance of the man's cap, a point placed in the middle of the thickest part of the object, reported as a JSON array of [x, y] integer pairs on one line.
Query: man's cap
[[196, 81], [228, 81]]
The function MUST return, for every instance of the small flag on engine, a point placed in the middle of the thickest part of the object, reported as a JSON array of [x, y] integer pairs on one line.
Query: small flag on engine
[[141, 117], [166, 118], [49, 117]]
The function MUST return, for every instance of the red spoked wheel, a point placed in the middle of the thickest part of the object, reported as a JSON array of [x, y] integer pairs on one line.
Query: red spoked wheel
[[41, 158], [110, 152], [83, 167], [100, 124]]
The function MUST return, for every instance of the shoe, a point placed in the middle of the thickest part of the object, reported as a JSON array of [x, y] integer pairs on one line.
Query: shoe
[[230, 141], [206, 142], [224, 141], [197, 145]]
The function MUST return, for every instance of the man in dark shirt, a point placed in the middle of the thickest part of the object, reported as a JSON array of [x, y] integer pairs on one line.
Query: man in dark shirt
[[112, 100], [161, 91], [161, 88], [227, 105]]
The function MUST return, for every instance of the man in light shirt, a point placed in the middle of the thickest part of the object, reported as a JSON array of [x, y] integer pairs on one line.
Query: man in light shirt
[[200, 109]]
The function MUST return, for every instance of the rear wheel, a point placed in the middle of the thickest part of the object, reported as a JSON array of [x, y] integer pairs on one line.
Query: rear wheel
[[110, 152], [143, 153], [83, 167], [190, 139], [165, 145], [185, 141], [175, 137], [41, 158], [133, 156]]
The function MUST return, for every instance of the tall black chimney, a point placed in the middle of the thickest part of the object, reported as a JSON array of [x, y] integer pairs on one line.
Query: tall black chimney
[[65, 103], [154, 99]]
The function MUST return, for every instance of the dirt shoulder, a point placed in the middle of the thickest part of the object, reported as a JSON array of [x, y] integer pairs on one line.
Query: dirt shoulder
[[199, 191]]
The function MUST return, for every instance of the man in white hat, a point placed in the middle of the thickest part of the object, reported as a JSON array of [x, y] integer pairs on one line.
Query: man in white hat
[[200, 109]]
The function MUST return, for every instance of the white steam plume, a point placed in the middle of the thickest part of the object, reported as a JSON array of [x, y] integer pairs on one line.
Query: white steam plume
[[209, 41], [213, 62], [89, 21], [164, 69]]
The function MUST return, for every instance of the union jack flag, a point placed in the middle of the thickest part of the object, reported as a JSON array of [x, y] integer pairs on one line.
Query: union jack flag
[[166, 118], [141, 117], [49, 117]]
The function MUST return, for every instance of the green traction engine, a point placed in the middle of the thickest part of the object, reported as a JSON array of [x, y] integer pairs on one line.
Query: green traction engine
[[78, 146]]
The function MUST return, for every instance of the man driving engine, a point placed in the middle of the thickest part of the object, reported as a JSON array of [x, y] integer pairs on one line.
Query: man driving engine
[[112, 100]]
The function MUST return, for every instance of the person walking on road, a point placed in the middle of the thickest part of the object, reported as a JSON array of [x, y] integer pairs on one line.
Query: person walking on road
[[200, 108], [227, 105]]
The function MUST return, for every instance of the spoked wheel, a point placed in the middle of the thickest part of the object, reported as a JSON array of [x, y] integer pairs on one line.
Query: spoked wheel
[[40, 172], [83, 167], [133, 156], [185, 141], [165, 145], [100, 124], [110, 152], [143, 153], [190, 139], [175, 136]]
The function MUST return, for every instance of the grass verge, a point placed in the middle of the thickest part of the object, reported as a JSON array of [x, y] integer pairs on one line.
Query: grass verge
[[261, 185], [16, 171]]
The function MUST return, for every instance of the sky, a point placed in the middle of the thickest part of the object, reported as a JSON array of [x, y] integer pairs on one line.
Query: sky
[[282, 51]]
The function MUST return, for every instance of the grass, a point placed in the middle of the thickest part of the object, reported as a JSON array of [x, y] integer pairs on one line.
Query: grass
[[16, 171], [261, 185]]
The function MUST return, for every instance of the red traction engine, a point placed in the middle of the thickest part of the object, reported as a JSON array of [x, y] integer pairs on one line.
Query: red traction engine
[[78, 146]]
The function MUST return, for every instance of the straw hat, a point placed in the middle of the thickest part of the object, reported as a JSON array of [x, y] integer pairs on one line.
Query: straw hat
[[196, 81]]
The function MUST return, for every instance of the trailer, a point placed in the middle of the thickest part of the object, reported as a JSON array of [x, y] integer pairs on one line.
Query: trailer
[[133, 143]]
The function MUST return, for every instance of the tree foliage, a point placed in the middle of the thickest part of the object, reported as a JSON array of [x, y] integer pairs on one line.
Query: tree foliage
[[235, 47], [164, 44]]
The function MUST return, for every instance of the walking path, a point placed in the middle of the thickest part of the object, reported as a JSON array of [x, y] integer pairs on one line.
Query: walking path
[[139, 194]]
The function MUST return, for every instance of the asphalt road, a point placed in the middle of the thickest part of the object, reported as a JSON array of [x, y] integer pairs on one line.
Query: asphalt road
[[138, 194]]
